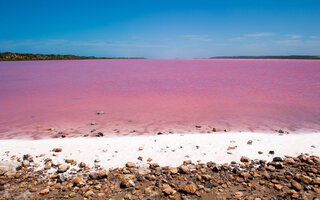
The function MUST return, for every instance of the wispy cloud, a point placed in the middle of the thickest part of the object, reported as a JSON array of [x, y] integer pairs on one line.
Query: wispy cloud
[[263, 34], [237, 39], [315, 37], [295, 36], [203, 38]]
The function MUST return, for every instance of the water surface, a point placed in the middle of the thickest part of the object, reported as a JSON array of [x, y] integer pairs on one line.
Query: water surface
[[148, 96]]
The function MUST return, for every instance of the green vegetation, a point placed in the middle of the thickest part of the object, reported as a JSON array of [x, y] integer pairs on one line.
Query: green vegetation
[[8, 56]]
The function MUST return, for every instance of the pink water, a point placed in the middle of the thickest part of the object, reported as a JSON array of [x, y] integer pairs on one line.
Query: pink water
[[149, 96]]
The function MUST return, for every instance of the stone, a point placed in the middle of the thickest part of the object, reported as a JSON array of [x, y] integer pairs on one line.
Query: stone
[[130, 165], [238, 195], [214, 130], [249, 142], [127, 181], [100, 112], [62, 168], [56, 150], [78, 181], [316, 181], [44, 191], [188, 189], [278, 186], [99, 134], [183, 169], [277, 159], [167, 190], [89, 193], [306, 179], [82, 165], [143, 171], [244, 159], [72, 194], [271, 152], [140, 158], [93, 123], [149, 159], [260, 152], [296, 185]]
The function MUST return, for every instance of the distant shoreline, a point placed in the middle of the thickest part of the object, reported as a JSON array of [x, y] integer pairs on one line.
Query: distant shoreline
[[8, 56], [302, 57]]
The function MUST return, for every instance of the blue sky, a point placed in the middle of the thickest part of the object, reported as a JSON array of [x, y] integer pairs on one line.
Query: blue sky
[[161, 29]]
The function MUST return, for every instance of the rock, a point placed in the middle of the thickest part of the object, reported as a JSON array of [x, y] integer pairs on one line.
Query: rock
[[173, 170], [183, 169], [130, 165], [271, 152], [280, 131], [140, 158], [316, 181], [278, 186], [149, 159], [100, 112], [69, 161], [72, 194], [214, 130], [78, 181], [44, 191], [100, 174], [56, 150], [82, 165], [88, 193], [244, 159], [188, 189], [249, 142], [296, 185], [159, 133], [93, 123], [167, 190], [25, 163], [238, 195], [306, 179], [277, 159], [143, 171], [230, 148], [147, 191], [62, 168], [99, 134], [260, 152], [197, 126], [127, 181]]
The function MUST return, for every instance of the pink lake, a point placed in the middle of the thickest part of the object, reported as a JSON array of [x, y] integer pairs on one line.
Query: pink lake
[[143, 96]]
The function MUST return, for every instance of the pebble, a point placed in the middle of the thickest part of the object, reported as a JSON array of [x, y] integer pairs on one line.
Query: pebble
[[100, 112]]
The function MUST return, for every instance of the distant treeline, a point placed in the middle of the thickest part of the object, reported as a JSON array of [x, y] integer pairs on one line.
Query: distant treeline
[[269, 57], [8, 56]]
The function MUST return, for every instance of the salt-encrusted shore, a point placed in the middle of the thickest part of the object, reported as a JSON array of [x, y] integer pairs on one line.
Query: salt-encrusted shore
[[171, 166], [166, 150]]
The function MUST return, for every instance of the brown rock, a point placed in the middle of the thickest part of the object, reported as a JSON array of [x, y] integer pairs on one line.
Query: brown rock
[[88, 193], [72, 194], [188, 189], [167, 190], [306, 179], [278, 186], [244, 159], [127, 181], [238, 195], [183, 169], [78, 181], [130, 165], [82, 165], [249, 142], [44, 191], [296, 185], [140, 158], [62, 168], [56, 149], [147, 191], [149, 159], [316, 181]]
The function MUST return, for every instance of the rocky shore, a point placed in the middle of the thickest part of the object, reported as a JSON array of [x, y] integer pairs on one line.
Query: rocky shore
[[281, 178]]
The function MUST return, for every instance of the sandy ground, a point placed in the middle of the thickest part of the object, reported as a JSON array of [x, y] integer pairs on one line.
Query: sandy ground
[[172, 150]]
